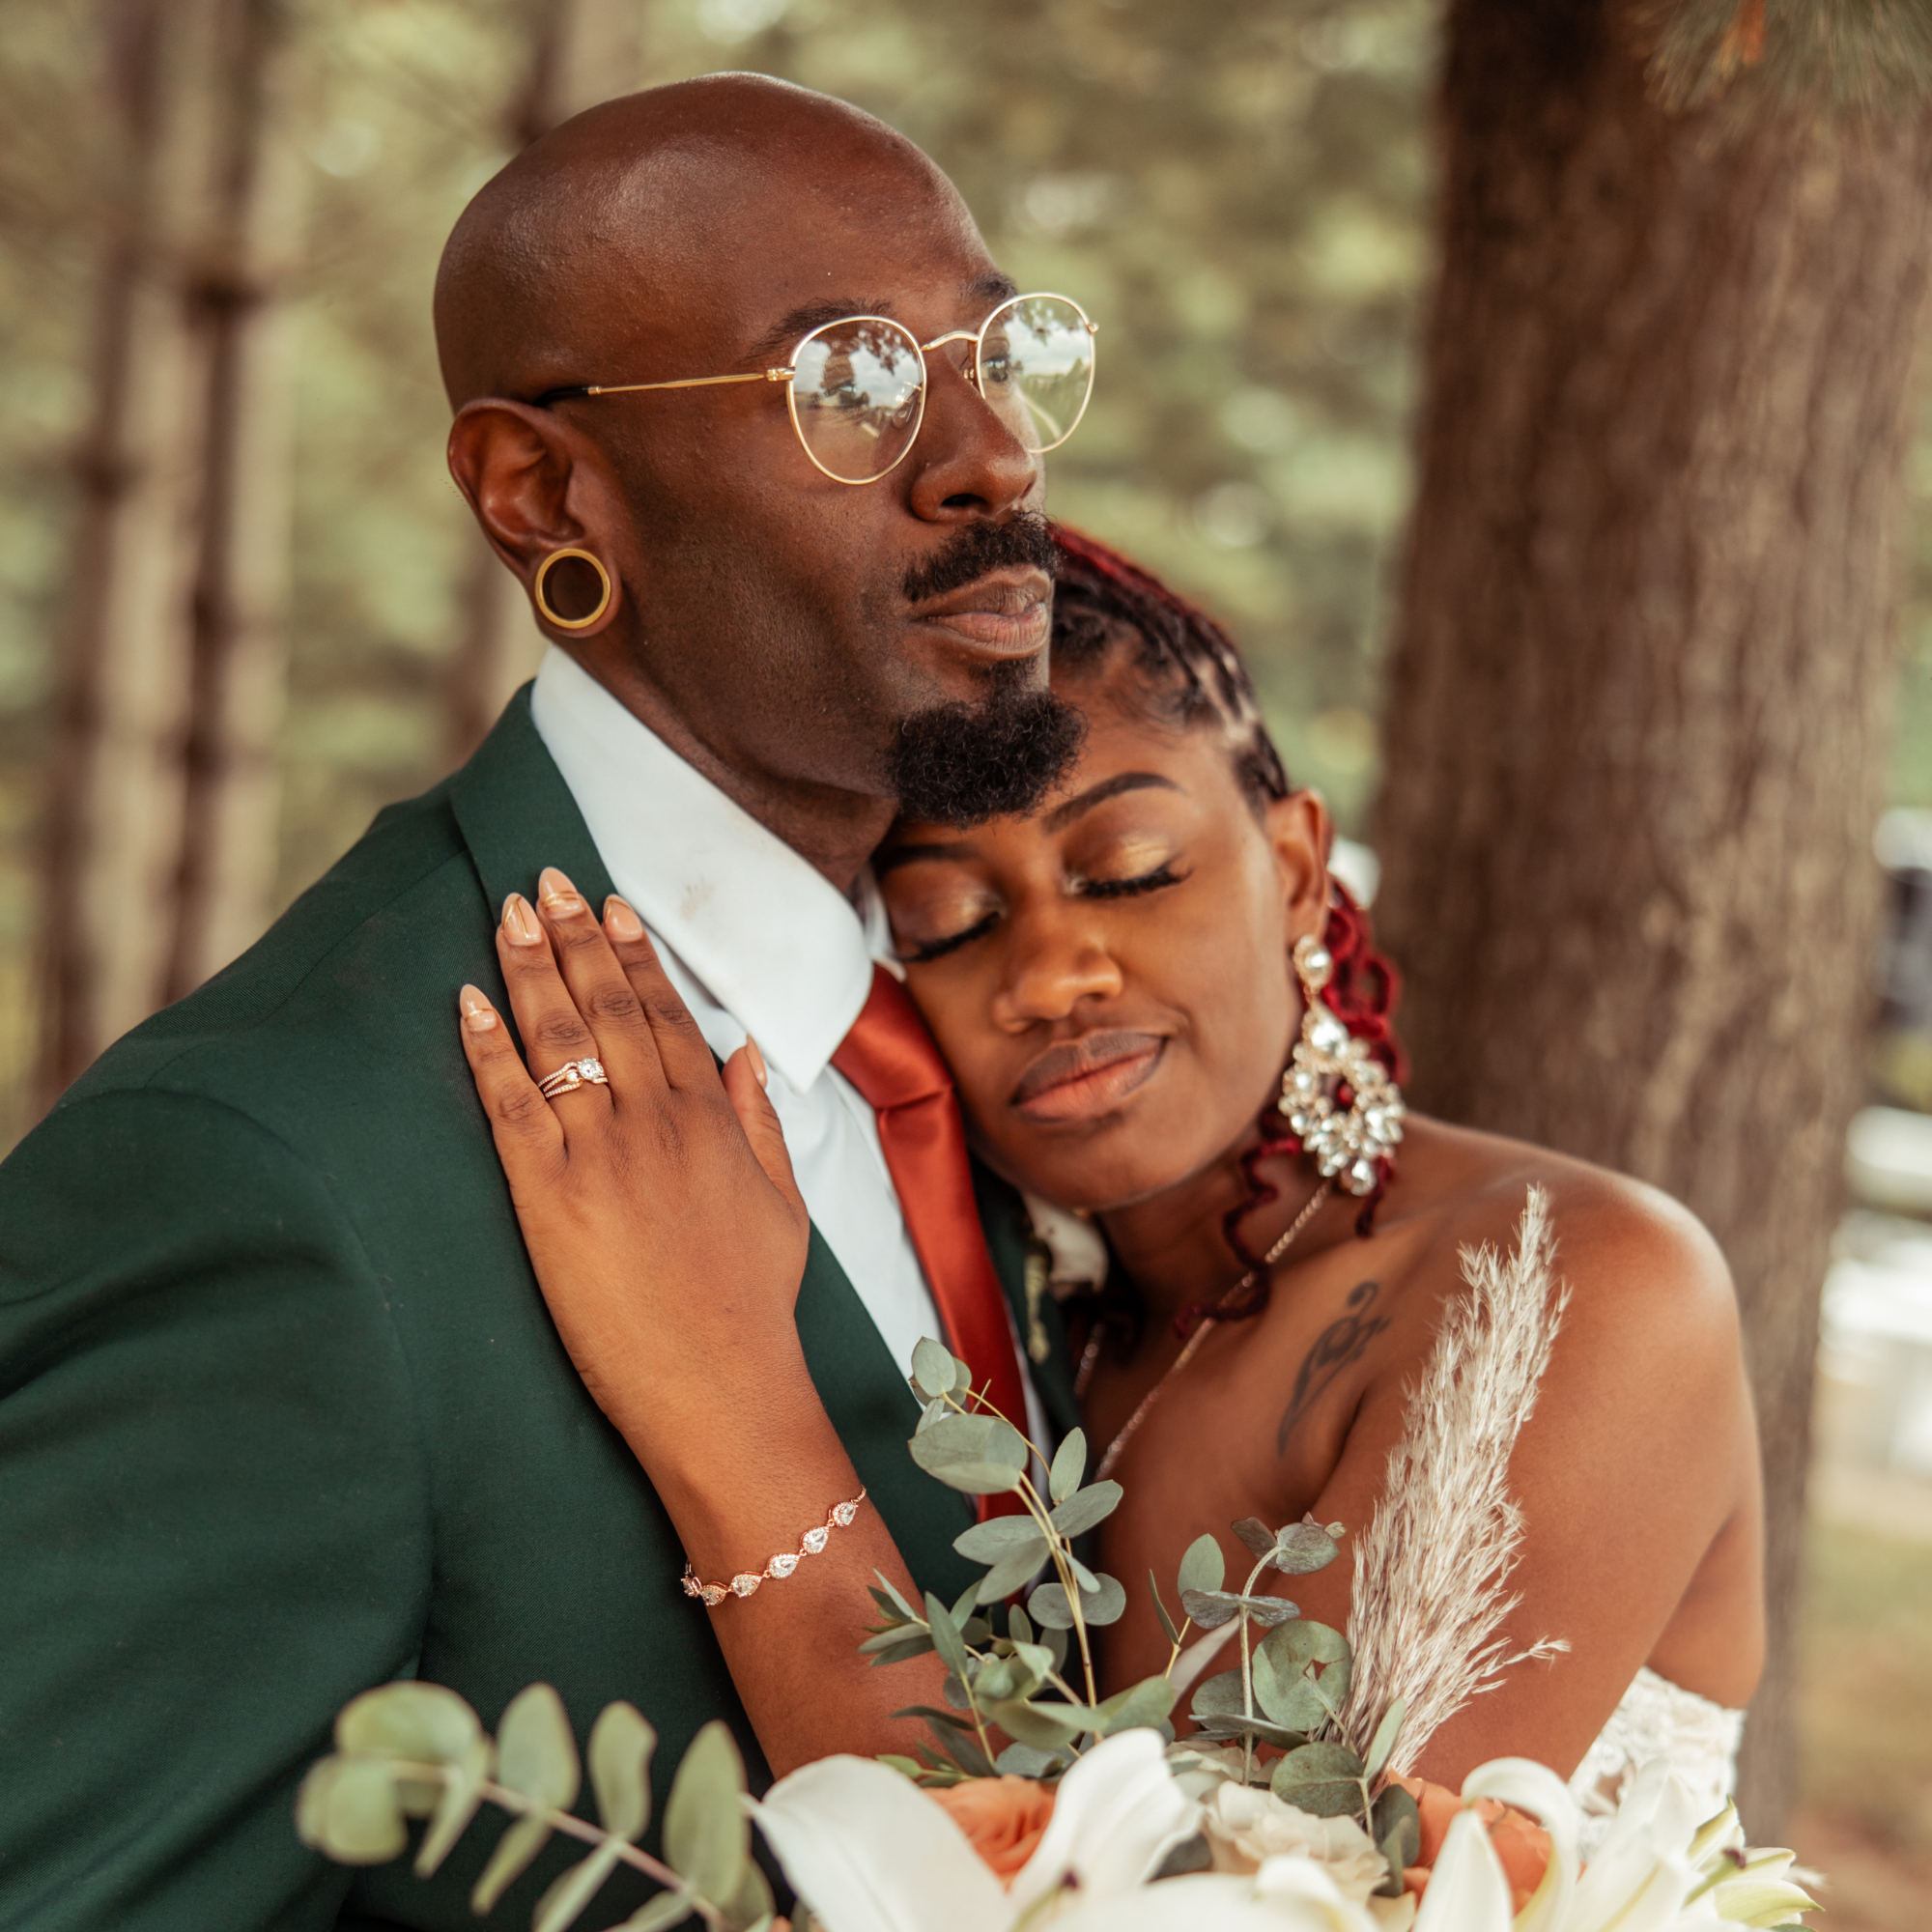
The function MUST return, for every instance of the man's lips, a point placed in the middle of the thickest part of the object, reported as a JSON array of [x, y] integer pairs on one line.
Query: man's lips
[[1006, 610], [1080, 1079]]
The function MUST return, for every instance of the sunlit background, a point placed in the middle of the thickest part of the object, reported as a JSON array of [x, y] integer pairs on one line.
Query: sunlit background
[[1240, 195]]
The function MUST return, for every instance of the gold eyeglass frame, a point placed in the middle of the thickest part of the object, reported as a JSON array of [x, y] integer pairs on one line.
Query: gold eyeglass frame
[[788, 373]]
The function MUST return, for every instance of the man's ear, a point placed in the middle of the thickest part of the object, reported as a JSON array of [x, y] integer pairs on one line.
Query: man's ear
[[1299, 833], [535, 487]]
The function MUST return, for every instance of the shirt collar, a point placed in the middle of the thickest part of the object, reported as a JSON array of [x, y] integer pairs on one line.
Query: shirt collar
[[766, 934]]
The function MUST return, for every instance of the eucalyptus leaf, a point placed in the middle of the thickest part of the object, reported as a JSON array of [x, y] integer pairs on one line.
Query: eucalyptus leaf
[[1013, 1571], [934, 1371], [935, 1410], [962, 1608], [963, 1748], [1160, 1611], [1324, 1779], [573, 1889], [1048, 1607], [1211, 1608], [536, 1754], [515, 1849], [621, 1743], [1082, 1575], [1037, 1658], [951, 1719], [462, 1794], [1255, 1534], [1294, 1648], [1045, 1726], [955, 1689], [1141, 1705], [1382, 1746], [1283, 1695], [1106, 1602], [899, 1603], [1057, 1643], [982, 1455], [1018, 1630], [655, 1915], [1203, 1568], [1027, 1761], [1397, 1829], [1224, 1730], [946, 1636], [1085, 1508], [347, 1810], [997, 1537], [906, 1767], [752, 1904], [1219, 1695], [1069, 1464], [706, 1833], [914, 1645], [406, 1720], [1303, 1547], [891, 1639]]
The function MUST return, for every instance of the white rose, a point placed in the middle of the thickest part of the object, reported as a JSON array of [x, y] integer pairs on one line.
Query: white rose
[[1245, 1827]]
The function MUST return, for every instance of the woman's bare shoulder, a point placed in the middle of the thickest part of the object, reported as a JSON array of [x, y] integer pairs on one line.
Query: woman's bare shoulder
[[1637, 1263]]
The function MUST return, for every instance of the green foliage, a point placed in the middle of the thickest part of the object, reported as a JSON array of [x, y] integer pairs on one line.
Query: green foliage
[[411, 1749]]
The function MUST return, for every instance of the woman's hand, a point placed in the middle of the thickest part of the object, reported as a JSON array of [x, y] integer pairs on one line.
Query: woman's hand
[[670, 1239], [659, 1209]]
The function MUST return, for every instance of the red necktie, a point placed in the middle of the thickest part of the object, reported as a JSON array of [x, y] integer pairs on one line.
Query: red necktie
[[890, 1057]]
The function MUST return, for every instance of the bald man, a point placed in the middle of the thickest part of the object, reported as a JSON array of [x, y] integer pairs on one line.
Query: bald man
[[282, 1413]]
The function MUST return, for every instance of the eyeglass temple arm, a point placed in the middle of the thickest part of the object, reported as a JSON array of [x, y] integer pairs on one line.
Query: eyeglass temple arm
[[549, 396]]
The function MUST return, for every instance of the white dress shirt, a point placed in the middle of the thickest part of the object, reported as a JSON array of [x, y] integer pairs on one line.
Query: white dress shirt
[[757, 939]]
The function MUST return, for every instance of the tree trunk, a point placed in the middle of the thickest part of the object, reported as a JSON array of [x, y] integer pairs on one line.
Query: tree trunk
[[581, 51], [112, 808], [1636, 727], [237, 301]]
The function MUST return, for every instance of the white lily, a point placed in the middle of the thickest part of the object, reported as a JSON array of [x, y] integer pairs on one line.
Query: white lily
[[872, 1853], [1657, 1871]]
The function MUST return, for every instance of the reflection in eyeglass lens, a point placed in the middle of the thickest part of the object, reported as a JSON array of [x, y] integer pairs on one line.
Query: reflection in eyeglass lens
[[856, 392], [1037, 368]]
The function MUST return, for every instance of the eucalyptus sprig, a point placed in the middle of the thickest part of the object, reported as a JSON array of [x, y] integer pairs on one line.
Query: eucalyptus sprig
[[1015, 1683], [418, 1750]]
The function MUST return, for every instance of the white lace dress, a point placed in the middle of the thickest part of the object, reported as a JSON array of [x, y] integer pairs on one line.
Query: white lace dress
[[1658, 1719]]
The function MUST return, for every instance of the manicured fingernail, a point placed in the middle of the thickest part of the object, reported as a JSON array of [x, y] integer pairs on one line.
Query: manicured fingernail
[[620, 920], [477, 1013], [558, 894], [757, 1061], [520, 922]]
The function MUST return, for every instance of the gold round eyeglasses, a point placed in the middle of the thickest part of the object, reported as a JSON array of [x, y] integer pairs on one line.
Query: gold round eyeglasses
[[856, 387]]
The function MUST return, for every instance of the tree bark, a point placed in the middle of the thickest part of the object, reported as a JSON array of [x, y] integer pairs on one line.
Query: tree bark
[[581, 51], [1636, 713], [236, 296]]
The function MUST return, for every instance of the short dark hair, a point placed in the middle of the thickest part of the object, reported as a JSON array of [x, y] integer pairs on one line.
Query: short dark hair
[[1190, 669]]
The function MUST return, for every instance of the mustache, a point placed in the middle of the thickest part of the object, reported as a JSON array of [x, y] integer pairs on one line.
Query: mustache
[[975, 550]]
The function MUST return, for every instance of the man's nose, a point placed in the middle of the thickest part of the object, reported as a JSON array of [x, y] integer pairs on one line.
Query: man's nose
[[1051, 970], [967, 464]]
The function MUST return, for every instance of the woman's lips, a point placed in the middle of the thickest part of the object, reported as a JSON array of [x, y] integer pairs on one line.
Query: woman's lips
[[1081, 1079]]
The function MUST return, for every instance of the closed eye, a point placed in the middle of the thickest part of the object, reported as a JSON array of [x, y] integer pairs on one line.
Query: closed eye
[[937, 948], [1126, 888]]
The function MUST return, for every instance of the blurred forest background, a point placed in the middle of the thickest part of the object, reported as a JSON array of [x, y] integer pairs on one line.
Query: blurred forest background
[[1242, 195]]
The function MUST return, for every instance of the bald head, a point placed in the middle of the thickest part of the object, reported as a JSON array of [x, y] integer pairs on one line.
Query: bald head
[[621, 217]]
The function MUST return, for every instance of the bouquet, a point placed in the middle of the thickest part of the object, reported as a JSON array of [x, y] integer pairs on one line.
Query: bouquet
[[1035, 1801]]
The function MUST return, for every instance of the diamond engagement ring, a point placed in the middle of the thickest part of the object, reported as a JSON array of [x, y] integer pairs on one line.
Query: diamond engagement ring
[[571, 1076]]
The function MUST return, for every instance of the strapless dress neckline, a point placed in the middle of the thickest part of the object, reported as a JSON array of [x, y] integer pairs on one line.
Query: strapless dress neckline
[[1657, 1719]]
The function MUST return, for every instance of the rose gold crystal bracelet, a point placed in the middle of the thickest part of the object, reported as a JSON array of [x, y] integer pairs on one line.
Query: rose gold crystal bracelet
[[838, 1517]]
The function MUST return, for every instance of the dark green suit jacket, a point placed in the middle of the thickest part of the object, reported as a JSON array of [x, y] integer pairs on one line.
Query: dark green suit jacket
[[282, 1414]]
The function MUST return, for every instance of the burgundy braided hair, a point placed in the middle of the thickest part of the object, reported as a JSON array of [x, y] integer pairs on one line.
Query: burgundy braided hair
[[1193, 674]]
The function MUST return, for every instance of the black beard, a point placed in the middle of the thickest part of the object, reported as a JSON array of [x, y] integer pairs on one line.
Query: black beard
[[956, 764]]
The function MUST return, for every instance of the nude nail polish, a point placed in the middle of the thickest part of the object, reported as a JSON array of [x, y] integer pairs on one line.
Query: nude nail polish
[[520, 922], [558, 894], [621, 921], [757, 1061], [477, 1013]]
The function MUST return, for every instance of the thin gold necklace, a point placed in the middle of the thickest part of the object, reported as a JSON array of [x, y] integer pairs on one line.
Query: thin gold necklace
[[1092, 1353]]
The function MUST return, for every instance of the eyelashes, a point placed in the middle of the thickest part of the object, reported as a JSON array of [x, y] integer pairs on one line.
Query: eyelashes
[[1090, 888]]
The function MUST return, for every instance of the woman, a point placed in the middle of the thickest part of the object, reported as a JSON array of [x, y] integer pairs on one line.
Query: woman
[[1118, 983]]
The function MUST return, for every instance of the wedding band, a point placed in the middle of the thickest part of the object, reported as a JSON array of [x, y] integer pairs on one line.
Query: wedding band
[[571, 1076]]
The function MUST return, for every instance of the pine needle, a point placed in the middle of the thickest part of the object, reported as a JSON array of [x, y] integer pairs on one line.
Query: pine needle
[[1433, 1570]]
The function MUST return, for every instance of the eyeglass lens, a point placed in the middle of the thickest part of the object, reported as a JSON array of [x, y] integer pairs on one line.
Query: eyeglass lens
[[858, 393], [857, 396], [1037, 368]]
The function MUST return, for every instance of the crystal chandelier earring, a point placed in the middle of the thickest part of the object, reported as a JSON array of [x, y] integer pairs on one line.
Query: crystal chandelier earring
[[1355, 1143]]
